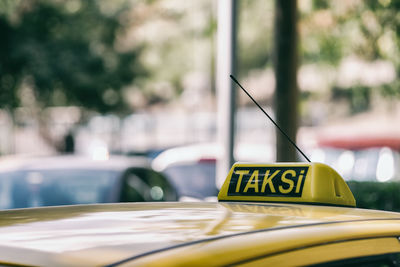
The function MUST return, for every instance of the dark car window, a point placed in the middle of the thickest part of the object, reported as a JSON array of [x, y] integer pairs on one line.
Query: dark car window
[[24, 189], [146, 185]]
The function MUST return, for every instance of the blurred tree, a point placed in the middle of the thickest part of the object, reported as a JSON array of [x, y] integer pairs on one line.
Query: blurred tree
[[255, 35], [368, 31], [8, 68], [65, 52], [178, 45]]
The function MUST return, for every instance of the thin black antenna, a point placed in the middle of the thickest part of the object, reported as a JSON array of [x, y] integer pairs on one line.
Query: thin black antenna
[[277, 126]]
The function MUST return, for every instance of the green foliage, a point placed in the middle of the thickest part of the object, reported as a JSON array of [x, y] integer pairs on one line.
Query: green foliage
[[391, 90], [376, 195], [323, 47], [320, 4], [7, 67], [358, 96], [368, 31], [255, 35], [68, 51]]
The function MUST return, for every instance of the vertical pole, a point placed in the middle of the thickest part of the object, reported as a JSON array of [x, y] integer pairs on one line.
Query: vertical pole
[[285, 64], [226, 51]]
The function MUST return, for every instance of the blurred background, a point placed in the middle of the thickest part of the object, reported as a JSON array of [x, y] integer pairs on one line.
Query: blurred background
[[141, 78]]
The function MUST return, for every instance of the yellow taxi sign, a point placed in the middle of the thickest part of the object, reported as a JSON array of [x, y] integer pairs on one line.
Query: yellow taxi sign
[[314, 183]]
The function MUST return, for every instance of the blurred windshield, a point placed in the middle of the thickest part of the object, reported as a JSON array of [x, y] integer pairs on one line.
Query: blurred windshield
[[194, 179], [22, 189]]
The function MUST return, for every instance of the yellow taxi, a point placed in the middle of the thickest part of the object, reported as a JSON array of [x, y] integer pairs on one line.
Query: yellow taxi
[[297, 214]]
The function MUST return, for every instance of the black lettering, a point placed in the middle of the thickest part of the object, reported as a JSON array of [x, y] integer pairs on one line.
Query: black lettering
[[269, 181]]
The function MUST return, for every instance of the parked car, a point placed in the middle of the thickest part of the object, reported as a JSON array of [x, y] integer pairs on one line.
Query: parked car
[[65, 180]]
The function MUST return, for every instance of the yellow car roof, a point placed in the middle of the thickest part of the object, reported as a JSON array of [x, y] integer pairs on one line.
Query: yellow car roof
[[150, 232]]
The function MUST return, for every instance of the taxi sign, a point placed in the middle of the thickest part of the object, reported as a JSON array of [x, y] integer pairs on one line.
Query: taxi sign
[[314, 183]]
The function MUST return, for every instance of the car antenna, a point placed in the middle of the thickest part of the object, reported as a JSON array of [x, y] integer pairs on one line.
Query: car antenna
[[277, 126]]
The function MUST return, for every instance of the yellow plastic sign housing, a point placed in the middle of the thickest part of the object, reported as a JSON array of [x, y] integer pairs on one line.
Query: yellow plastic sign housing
[[314, 183]]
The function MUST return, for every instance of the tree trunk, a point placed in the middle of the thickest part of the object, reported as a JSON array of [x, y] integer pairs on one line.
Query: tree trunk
[[285, 64]]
